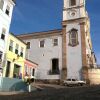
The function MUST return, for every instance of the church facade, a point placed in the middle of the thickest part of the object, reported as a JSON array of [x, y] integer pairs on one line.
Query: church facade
[[65, 53]]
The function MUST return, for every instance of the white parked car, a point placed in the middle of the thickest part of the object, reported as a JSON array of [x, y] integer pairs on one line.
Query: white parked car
[[73, 82]]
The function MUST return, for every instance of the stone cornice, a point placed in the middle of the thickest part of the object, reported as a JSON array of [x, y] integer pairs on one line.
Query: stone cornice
[[74, 7], [77, 20], [40, 34]]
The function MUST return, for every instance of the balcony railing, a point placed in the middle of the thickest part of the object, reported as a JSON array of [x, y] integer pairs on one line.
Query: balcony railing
[[53, 72]]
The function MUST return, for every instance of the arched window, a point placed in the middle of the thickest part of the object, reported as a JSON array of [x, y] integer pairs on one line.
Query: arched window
[[73, 37], [1, 4]]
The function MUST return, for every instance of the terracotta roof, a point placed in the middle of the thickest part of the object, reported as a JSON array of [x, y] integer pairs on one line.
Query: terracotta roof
[[31, 61], [50, 32]]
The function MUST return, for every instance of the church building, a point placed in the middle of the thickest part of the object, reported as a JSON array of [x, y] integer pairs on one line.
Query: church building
[[64, 53]]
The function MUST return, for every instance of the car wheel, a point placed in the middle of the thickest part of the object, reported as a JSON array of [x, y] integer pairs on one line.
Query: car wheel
[[80, 84], [65, 84]]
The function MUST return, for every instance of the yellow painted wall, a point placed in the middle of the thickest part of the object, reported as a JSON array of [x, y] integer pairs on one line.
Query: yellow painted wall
[[10, 55]]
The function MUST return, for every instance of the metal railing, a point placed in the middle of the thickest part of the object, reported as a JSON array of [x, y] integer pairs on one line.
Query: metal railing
[[53, 72]]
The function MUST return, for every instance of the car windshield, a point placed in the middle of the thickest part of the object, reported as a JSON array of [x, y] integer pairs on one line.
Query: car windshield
[[68, 79], [73, 79]]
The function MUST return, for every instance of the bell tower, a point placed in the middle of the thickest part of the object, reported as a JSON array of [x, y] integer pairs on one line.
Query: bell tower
[[74, 9], [74, 50]]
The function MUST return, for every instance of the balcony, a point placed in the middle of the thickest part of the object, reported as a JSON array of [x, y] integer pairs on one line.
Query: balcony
[[53, 72]]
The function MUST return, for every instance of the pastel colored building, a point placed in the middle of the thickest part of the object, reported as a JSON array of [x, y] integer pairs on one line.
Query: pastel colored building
[[6, 9], [16, 64], [15, 57], [29, 68]]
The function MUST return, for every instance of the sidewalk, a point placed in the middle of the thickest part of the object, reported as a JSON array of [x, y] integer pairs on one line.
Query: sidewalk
[[11, 93]]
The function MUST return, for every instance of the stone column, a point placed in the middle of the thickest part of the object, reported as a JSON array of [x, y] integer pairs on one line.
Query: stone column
[[84, 56], [64, 54]]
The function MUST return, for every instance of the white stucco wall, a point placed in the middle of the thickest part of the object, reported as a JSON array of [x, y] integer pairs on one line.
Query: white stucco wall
[[43, 56], [79, 12], [5, 21], [74, 57]]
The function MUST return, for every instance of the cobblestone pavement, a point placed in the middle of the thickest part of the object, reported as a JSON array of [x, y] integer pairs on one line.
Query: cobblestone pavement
[[56, 92]]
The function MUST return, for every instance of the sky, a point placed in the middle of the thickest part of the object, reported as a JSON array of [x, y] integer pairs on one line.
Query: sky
[[43, 15]]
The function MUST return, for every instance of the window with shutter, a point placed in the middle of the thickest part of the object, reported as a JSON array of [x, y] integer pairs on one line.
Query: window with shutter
[[73, 38]]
